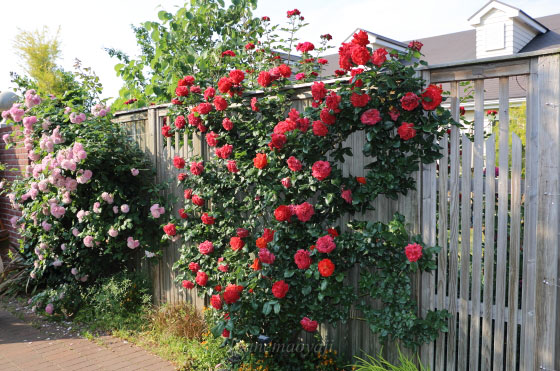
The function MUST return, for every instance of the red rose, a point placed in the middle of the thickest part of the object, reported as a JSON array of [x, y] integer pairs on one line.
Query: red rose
[[347, 195], [302, 259], [339, 72], [254, 106], [220, 103], [282, 213], [209, 93], [320, 129], [218, 288], [326, 267], [304, 211], [415, 45], [198, 201], [305, 47], [216, 302], [242, 232], [228, 53], [232, 293], [359, 100], [225, 333], [268, 235], [256, 266], [227, 124], [277, 141], [236, 76], [280, 289], [207, 219], [188, 194], [292, 13], [361, 179], [206, 247], [462, 111], [204, 108], [260, 161], [379, 56], [265, 19], [194, 267], [176, 102], [232, 166], [224, 151], [236, 243], [170, 229], [321, 170], [194, 120], [285, 70], [413, 252], [188, 284], [286, 182], [333, 102], [370, 117], [197, 168], [361, 38], [224, 85], [394, 113], [201, 278], [326, 117], [431, 97], [261, 242], [265, 256], [322, 61], [318, 91], [264, 79], [326, 36], [294, 164], [165, 131], [182, 214], [325, 244], [332, 232], [410, 101], [285, 126], [406, 131], [360, 55], [180, 122], [195, 89], [178, 162], [182, 91], [308, 325], [249, 46], [186, 81], [303, 124]]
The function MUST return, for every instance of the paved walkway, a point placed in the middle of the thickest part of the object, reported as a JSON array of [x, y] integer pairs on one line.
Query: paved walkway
[[23, 347]]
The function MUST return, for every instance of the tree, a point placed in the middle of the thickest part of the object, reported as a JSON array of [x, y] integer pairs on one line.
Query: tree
[[39, 51]]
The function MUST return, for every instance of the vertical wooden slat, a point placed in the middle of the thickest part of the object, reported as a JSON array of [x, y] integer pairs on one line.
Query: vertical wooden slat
[[465, 254], [547, 215], [488, 297], [454, 231], [478, 158], [515, 235], [429, 189], [503, 196], [442, 241], [529, 325]]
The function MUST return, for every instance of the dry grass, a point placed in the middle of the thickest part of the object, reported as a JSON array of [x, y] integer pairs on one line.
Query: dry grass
[[181, 320]]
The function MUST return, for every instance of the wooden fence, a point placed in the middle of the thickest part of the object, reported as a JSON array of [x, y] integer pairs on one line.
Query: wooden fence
[[498, 269]]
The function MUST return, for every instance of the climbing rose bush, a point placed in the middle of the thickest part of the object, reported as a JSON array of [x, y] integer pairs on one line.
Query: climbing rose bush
[[263, 238], [87, 197]]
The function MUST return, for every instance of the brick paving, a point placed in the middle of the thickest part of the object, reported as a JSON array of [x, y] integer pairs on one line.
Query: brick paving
[[23, 347]]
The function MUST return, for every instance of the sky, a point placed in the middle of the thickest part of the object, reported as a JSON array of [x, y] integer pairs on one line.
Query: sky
[[87, 27]]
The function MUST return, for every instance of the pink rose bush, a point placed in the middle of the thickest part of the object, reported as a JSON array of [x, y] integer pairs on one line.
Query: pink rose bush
[[84, 209]]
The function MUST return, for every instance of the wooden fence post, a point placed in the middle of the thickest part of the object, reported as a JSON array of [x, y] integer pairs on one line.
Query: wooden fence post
[[547, 245]]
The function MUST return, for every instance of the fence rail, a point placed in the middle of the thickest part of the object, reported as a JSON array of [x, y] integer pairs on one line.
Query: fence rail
[[497, 272]]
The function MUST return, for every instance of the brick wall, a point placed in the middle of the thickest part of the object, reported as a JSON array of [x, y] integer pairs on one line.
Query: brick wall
[[15, 160]]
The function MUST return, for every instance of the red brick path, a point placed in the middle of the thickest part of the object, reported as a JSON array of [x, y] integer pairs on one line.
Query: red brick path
[[23, 347]]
